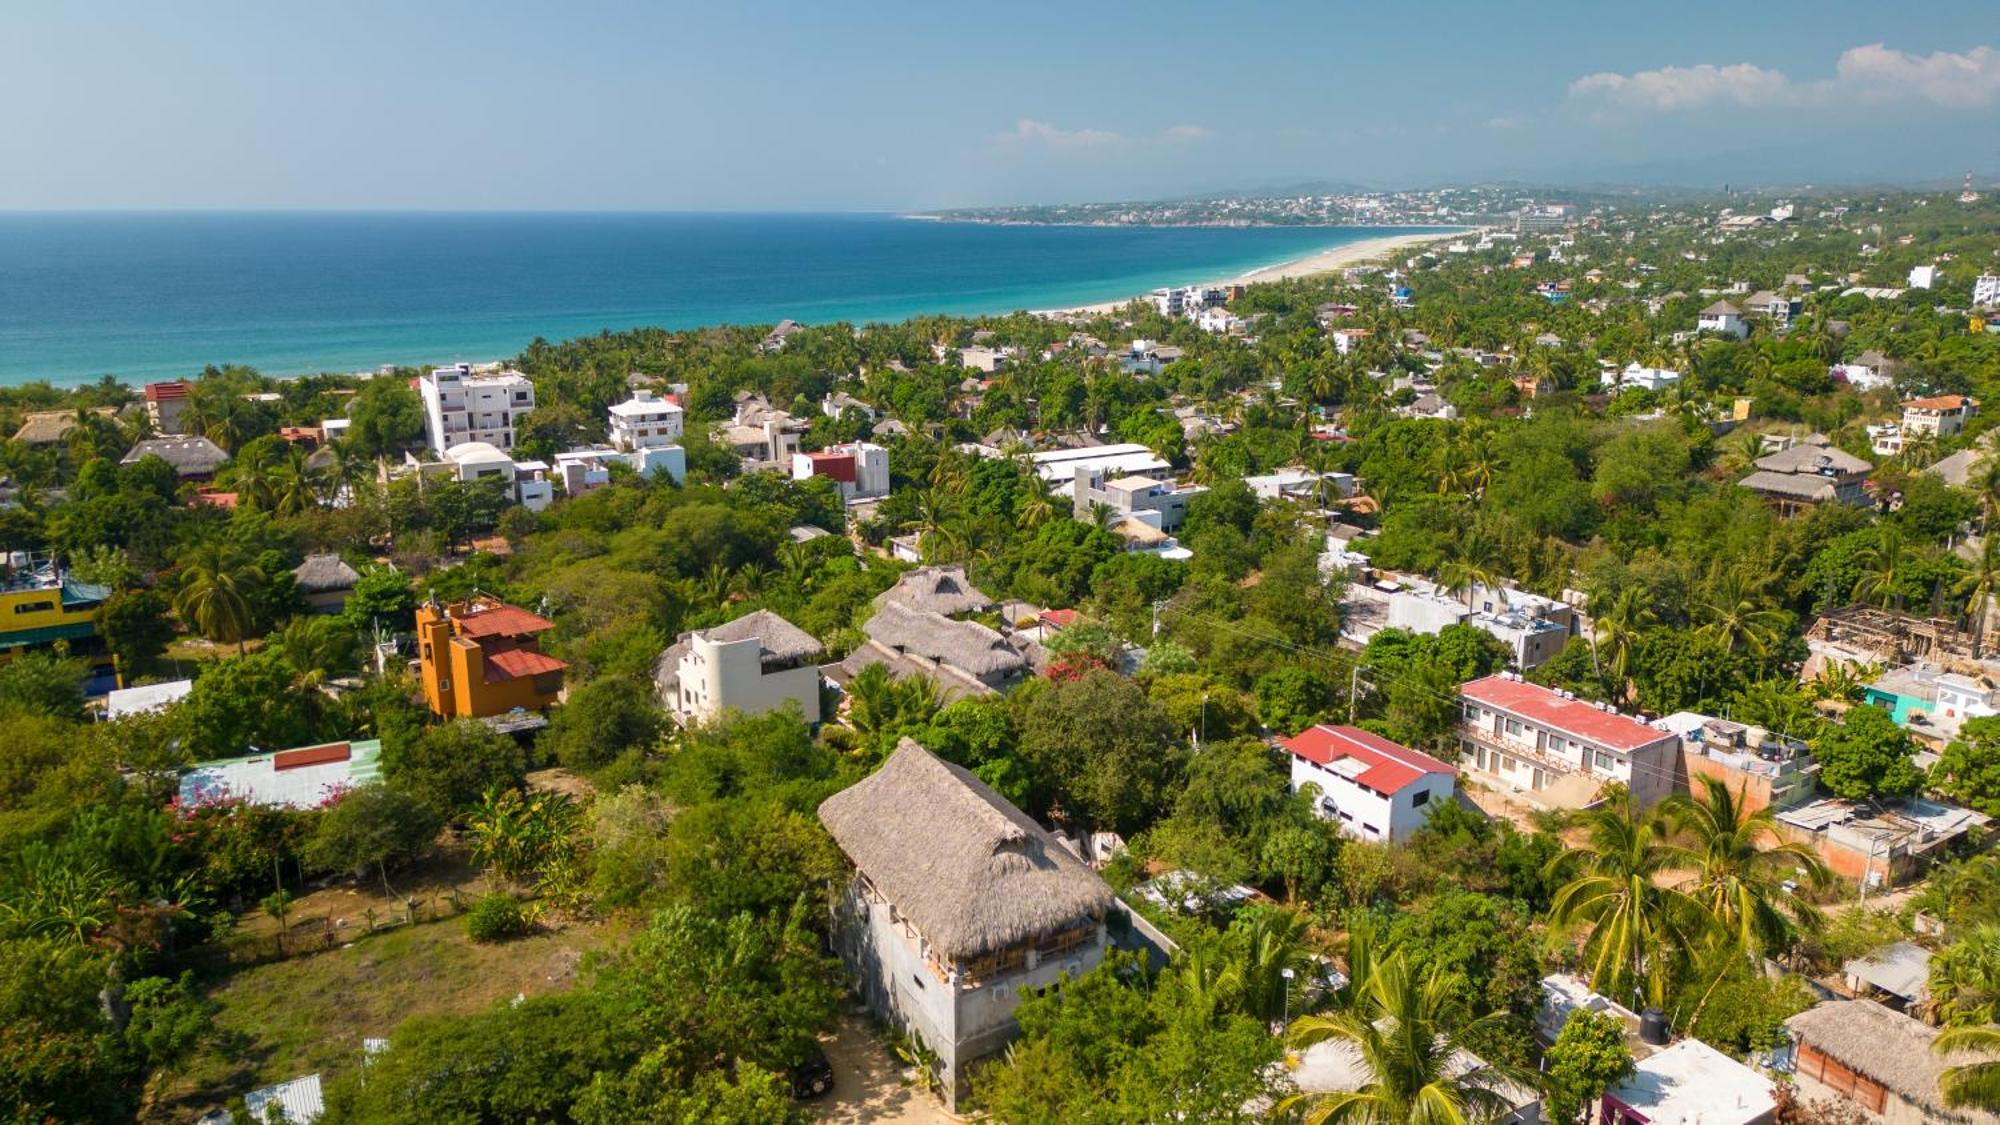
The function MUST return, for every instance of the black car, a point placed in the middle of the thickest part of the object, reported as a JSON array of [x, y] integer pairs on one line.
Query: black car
[[813, 1076]]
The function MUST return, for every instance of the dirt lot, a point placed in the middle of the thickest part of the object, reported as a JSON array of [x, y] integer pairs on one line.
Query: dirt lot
[[868, 1083]]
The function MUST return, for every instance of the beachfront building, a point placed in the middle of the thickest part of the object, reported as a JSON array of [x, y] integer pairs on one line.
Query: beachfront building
[[644, 421], [753, 665], [165, 403], [859, 469], [461, 405], [1556, 750], [1377, 790], [192, 458], [480, 658], [959, 903]]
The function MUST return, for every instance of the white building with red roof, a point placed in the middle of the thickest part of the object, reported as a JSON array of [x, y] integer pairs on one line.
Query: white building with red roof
[[1557, 750], [1377, 789]]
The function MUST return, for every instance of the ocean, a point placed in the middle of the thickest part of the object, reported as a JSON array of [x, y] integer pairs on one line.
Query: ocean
[[158, 295]]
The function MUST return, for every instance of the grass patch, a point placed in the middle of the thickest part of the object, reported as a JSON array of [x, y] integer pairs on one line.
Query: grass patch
[[310, 1013]]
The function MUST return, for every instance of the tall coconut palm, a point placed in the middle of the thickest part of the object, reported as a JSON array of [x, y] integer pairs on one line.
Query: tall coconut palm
[[1978, 587], [1633, 926], [1971, 1084], [1739, 617], [1614, 635], [1883, 567], [216, 586], [1740, 863], [1401, 1032]]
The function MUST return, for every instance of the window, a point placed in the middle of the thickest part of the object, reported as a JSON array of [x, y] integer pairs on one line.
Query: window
[[1606, 761], [33, 607], [1513, 726], [918, 978], [1422, 798]]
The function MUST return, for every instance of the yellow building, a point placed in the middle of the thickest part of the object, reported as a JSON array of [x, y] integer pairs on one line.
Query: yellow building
[[480, 658], [41, 604]]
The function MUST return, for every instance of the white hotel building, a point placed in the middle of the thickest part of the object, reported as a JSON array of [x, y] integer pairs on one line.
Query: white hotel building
[[460, 406], [644, 421], [1556, 750]]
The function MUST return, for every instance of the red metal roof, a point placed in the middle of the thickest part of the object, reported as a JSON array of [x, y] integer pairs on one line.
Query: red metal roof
[[839, 466], [159, 392], [1061, 618], [498, 619], [514, 663], [311, 756], [1391, 765], [1570, 716]]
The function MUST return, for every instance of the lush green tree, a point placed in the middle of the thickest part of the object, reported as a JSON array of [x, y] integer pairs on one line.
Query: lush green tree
[[1107, 752], [1636, 925], [249, 702], [1589, 1057], [1292, 698], [135, 629], [1741, 865], [1401, 1027], [381, 594], [451, 766], [372, 828], [386, 416], [217, 587], [43, 683], [603, 719], [1969, 769], [1866, 755]]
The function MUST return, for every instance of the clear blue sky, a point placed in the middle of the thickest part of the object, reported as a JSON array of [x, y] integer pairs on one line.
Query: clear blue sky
[[750, 106]]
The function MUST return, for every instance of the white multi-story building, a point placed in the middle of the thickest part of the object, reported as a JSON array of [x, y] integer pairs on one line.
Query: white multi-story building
[[1940, 416], [644, 421], [1723, 317], [1377, 789], [1636, 374], [1986, 290], [756, 664], [1159, 504], [1557, 749], [1533, 628], [461, 406], [860, 469], [525, 483]]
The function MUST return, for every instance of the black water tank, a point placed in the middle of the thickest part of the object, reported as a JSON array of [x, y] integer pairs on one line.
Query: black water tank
[[1653, 1027]]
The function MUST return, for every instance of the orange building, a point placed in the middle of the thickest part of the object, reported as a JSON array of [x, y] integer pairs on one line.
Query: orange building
[[479, 658]]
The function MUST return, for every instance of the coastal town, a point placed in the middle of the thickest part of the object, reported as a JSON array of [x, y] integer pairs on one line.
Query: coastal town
[[1539, 668]]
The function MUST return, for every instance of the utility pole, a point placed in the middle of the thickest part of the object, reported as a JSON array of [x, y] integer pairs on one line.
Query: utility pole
[[1353, 682]]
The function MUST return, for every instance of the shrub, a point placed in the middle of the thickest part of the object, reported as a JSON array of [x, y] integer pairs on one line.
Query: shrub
[[497, 917]]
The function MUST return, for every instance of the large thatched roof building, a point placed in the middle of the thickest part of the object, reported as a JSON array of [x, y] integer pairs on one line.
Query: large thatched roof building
[[970, 871], [193, 458], [959, 902]]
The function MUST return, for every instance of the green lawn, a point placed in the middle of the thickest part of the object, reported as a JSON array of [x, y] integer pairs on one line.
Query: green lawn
[[310, 1013]]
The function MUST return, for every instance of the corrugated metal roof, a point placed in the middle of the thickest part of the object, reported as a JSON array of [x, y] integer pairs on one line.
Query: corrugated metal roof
[[258, 779], [301, 1099]]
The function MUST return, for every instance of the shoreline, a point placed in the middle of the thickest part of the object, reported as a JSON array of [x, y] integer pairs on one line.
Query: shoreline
[[1312, 265]]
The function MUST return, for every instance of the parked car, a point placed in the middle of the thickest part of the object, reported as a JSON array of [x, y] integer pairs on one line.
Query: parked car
[[813, 1076]]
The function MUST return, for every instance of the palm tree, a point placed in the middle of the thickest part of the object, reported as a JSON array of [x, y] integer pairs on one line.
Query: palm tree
[[1635, 925], [1400, 1029], [1740, 863], [1882, 567], [217, 583], [1738, 616], [1974, 1084], [1614, 635], [1273, 941], [1978, 587]]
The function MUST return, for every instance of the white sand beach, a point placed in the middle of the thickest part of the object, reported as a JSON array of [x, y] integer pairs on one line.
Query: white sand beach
[[1326, 261]]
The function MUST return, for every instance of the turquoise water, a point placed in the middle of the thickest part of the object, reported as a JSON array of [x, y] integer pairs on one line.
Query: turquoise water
[[146, 296]]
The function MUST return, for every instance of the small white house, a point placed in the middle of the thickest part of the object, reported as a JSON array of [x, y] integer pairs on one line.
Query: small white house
[[758, 663], [1377, 789], [1923, 277], [1724, 318]]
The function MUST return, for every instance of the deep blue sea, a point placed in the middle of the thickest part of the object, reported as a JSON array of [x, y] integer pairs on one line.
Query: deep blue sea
[[147, 296]]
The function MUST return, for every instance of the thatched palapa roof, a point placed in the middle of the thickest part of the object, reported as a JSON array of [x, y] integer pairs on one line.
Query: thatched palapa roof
[[973, 873], [1885, 1045], [190, 456], [320, 574], [937, 589], [961, 644]]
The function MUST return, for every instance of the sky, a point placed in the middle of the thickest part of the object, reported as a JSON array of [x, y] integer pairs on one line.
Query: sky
[[747, 105]]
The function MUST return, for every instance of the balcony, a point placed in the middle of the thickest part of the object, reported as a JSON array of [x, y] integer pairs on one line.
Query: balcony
[[1515, 746]]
